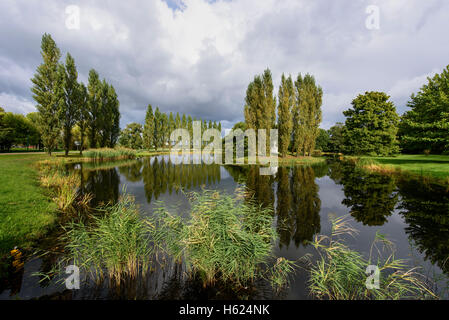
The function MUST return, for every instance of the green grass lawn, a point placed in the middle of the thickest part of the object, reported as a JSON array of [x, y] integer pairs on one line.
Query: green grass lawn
[[432, 165], [26, 212]]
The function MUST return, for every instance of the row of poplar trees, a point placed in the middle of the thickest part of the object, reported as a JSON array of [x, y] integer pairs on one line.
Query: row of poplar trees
[[63, 102], [158, 127], [298, 111]]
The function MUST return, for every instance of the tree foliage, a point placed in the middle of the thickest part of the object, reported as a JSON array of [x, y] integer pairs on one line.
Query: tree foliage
[[286, 97], [260, 104], [426, 125], [16, 129], [131, 136], [148, 128], [307, 114], [371, 125], [48, 92]]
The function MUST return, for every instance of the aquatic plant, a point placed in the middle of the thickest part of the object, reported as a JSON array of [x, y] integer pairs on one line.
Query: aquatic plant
[[110, 154], [225, 239], [340, 272], [64, 186], [115, 244]]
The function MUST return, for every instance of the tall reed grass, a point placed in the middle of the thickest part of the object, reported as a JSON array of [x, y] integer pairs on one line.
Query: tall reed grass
[[115, 244], [225, 239], [339, 272], [110, 154], [65, 187]]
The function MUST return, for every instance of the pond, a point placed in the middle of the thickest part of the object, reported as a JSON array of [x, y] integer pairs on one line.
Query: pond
[[411, 213]]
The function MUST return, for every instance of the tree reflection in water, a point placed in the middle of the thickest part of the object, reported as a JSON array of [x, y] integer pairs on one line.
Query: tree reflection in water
[[371, 197]]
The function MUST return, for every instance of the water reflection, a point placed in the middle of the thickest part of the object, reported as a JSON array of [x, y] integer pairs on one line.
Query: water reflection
[[103, 184], [298, 205], [371, 197], [410, 210], [425, 208]]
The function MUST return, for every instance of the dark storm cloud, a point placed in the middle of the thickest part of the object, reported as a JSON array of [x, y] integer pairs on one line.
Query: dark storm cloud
[[197, 56]]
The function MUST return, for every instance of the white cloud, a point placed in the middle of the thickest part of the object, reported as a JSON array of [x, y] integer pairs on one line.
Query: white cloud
[[197, 56], [12, 103]]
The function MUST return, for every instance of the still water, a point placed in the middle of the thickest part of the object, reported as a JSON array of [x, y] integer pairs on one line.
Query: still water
[[413, 214]]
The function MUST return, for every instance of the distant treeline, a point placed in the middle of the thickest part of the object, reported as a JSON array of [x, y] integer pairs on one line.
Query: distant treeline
[[18, 130], [155, 133]]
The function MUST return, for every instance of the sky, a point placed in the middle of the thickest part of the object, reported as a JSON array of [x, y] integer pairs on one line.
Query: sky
[[197, 57]]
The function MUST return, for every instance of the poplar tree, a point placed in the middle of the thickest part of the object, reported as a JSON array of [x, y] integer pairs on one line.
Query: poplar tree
[[184, 121], [148, 129], [157, 129], [48, 92], [171, 127], [94, 105], [260, 105], [83, 113], [164, 130], [286, 99], [177, 121], [104, 119], [70, 108], [307, 114], [114, 108], [190, 129]]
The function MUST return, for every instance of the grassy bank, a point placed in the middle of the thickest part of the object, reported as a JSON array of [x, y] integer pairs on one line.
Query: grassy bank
[[432, 166], [26, 211]]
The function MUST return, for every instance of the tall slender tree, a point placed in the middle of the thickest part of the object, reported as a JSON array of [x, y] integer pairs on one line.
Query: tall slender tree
[[70, 109], [260, 105], [171, 127], [48, 92], [285, 120], [177, 121], [94, 103], [114, 107], [164, 130], [148, 129], [307, 114], [158, 137], [83, 114]]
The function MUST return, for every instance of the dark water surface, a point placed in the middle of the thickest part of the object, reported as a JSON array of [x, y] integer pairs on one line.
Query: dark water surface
[[414, 215]]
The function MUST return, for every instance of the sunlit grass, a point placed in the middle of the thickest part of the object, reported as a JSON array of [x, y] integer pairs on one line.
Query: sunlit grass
[[26, 212], [436, 166]]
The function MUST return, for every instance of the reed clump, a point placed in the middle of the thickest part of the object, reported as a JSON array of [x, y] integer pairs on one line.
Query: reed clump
[[109, 154], [115, 244], [340, 272], [64, 186], [225, 239]]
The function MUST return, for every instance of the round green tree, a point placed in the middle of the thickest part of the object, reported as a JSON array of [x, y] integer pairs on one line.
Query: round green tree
[[371, 125]]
